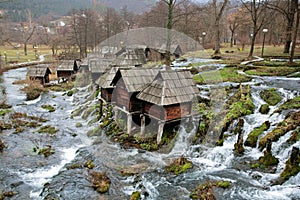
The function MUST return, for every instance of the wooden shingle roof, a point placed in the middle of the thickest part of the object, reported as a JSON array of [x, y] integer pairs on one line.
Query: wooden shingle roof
[[105, 81], [130, 57], [170, 87], [67, 65], [38, 71], [135, 79], [99, 65], [174, 49]]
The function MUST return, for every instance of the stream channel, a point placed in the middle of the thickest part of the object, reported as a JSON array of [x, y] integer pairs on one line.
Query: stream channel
[[33, 176]]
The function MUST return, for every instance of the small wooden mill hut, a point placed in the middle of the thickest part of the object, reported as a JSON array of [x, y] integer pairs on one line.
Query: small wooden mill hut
[[130, 57], [168, 98], [67, 68], [98, 66], [39, 73]]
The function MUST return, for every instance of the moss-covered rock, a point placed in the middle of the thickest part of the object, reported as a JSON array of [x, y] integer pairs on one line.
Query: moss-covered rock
[[205, 191], [290, 104], [50, 108], [99, 181], [4, 194], [48, 129], [294, 137], [46, 151], [3, 112], [264, 109], [253, 135], [70, 93], [136, 196], [89, 164], [179, 166], [78, 125], [290, 123], [271, 96], [292, 165], [2, 145]]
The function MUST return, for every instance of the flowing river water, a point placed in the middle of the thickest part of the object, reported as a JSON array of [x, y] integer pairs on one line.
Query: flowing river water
[[33, 176]]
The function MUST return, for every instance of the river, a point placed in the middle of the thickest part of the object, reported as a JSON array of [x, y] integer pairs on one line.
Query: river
[[34, 176]]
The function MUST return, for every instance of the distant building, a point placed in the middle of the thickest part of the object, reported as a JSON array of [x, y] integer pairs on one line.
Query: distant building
[[98, 66], [130, 57], [39, 73]]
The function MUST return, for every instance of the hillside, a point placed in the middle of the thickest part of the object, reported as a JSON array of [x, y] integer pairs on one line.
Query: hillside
[[15, 9]]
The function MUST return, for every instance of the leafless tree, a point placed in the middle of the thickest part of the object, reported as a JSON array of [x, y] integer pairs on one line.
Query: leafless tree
[[257, 10], [295, 31], [288, 9], [219, 9]]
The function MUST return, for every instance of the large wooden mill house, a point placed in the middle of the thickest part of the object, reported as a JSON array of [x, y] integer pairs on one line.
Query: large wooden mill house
[[128, 83], [168, 98]]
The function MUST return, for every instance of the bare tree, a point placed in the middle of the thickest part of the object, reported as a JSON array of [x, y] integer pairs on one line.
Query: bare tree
[[257, 10], [287, 9], [218, 15], [295, 31]]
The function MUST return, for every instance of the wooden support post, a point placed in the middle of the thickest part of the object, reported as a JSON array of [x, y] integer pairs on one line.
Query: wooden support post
[[116, 111], [129, 123], [100, 108], [143, 123], [161, 125]]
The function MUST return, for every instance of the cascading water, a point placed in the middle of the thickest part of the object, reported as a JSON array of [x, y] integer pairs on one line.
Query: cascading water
[[25, 171]]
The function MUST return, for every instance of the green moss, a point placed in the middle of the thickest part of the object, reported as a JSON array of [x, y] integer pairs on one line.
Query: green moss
[[48, 107], [205, 191], [89, 164], [78, 125], [135, 196], [290, 123], [48, 129], [267, 160], [291, 168], [3, 112], [94, 131], [264, 109], [149, 146], [70, 93], [253, 135], [99, 181], [224, 184], [33, 94], [179, 166], [46, 151], [294, 137], [290, 104], [271, 96]]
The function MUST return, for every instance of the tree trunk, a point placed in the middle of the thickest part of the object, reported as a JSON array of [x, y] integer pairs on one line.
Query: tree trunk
[[295, 34], [169, 27], [25, 48], [217, 38], [231, 38], [289, 28]]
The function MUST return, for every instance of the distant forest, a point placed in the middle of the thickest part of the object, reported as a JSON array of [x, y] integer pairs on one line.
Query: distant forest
[[16, 9]]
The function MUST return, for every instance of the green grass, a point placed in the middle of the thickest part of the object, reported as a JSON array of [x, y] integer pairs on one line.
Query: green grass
[[17, 54], [227, 74], [48, 107], [271, 71]]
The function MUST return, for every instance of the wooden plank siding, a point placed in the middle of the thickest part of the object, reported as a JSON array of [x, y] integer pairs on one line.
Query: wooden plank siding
[[167, 113], [120, 96], [106, 94]]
